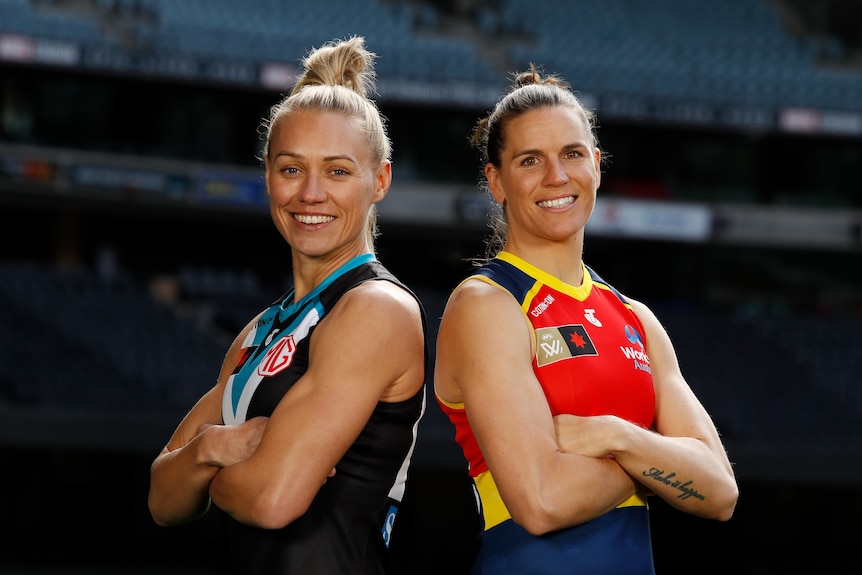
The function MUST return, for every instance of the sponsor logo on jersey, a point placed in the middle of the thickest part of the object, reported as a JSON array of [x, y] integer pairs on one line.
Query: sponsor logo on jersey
[[590, 316], [563, 342], [542, 306], [271, 336], [637, 354], [633, 336], [244, 355], [278, 358], [389, 523]]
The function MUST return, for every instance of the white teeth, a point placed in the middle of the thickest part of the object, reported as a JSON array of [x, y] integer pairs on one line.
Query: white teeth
[[308, 219], [558, 203]]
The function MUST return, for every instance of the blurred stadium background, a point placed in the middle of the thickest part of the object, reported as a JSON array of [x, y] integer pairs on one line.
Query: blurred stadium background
[[135, 241]]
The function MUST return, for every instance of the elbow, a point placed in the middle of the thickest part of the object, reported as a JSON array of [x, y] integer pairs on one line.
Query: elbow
[[728, 503], [275, 511], [164, 518], [536, 526], [162, 521], [536, 517], [723, 505]]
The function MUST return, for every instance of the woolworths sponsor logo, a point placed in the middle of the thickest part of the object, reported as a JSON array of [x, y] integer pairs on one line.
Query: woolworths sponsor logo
[[640, 358]]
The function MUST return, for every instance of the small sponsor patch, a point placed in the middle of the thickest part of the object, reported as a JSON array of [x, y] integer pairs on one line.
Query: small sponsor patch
[[562, 342], [389, 524]]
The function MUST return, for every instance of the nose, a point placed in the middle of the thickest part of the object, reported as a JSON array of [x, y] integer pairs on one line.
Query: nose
[[313, 191], [556, 174]]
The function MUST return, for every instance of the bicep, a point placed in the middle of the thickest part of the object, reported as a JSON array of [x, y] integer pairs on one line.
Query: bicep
[[364, 347], [485, 354]]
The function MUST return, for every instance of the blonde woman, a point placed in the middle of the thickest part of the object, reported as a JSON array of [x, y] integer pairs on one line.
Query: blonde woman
[[306, 438]]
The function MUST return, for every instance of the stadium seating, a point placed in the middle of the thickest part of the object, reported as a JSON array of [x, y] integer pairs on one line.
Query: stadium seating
[[734, 52], [113, 347]]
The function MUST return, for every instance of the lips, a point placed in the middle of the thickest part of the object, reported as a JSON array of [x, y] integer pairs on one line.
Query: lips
[[557, 203], [312, 219]]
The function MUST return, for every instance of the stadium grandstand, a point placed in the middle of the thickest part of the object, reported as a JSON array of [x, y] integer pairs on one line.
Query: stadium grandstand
[[135, 241]]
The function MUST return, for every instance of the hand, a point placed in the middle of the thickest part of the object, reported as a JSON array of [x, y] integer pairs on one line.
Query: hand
[[233, 443], [590, 436]]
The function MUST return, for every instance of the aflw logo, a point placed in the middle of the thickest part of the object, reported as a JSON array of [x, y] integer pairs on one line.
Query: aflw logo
[[552, 348], [278, 357]]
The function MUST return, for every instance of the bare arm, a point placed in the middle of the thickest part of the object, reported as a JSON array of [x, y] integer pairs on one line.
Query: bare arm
[[484, 354], [683, 461], [181, 474], [368, 348]]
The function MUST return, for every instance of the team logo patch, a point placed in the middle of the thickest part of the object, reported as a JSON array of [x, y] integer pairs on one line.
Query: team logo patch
[[278, 358], [562, 342]]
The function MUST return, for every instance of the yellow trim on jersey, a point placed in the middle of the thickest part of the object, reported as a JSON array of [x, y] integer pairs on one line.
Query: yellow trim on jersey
[[449, 404], [580, 292], [638, 499], [494, 511]]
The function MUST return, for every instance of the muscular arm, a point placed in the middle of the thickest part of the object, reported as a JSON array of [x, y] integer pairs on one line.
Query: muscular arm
[[484, 354], [683, 460], [180, 475], [369, 347]]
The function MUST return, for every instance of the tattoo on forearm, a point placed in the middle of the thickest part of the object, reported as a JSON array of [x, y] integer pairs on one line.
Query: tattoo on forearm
[[683, 486]]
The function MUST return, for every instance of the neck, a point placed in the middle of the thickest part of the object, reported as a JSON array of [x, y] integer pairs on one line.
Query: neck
[[562, 260], [310, 272]]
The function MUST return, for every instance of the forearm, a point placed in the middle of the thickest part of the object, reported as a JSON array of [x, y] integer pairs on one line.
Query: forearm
[[568, 490], [179, 484], [683, 471], [261, 498]]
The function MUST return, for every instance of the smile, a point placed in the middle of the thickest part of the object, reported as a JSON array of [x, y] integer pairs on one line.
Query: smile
[[558, 203], [311, 219]]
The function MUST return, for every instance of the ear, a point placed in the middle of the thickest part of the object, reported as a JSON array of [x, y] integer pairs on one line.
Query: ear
[[493, 177], [383, 180]]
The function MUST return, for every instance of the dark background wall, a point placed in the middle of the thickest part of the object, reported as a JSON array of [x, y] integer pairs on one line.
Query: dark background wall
[[134, 244]]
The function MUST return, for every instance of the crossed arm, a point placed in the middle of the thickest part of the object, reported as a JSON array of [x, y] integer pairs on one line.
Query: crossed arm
[[484, 352], [265, 472], [683, 460], [557, 472]]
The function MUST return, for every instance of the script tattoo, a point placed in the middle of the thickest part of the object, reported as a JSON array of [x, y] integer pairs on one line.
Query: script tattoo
[[684, 487]]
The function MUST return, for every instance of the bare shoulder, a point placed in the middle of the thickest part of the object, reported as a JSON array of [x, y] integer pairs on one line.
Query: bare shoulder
[[483, 333], [477, 297], [383, 299]]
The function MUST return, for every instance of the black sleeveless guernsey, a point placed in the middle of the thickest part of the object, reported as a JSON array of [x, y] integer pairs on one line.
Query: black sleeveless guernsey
[[347, 527]]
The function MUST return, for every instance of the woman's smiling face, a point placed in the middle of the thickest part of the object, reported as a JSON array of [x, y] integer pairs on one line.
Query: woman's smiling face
[[322, 183], [548, 174]]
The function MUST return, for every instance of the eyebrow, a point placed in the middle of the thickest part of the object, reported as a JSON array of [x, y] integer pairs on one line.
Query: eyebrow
[[538, 152], [332, 158]]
